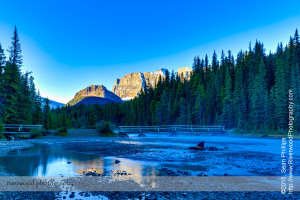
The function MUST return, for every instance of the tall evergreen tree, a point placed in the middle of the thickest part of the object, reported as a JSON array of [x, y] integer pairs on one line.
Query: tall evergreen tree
[[37, 115], [2, 91], [46, 114], [11, 86], [15, 49], [2, 61], [227, 114], [24, 104], [281, 103]]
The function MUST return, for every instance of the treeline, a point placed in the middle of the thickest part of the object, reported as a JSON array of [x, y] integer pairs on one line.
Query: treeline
[[249, 92], [20, 103]]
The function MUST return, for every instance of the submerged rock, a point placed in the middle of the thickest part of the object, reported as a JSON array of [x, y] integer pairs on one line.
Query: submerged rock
[[117, 161], [142, 135], [200, 146], [69, 162]]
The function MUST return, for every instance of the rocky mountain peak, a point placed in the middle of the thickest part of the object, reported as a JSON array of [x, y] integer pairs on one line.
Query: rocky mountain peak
[[94, 91], [184, 72], [130, 85]]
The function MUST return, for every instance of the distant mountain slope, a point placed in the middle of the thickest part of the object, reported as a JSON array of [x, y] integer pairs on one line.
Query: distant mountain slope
[[94, 91], [94, 100], [53, 104]]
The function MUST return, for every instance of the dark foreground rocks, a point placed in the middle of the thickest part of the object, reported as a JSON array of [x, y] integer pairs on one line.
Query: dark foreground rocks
[[149, 195], [29, 195]]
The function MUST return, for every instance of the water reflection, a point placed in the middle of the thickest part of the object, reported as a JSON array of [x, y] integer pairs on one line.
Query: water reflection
[[48, 160]]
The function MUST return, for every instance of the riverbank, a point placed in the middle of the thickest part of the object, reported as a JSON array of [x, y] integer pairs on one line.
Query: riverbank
[[259, 133], [7, 146]]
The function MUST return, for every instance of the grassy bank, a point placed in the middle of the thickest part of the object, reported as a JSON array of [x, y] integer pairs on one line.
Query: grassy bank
[[261, 133]]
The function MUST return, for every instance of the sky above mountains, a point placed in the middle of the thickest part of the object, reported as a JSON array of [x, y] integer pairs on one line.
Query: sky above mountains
[[69, 45]]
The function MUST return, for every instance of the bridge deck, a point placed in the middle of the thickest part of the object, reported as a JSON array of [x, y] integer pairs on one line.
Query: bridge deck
[[171, 128], [20, 128]]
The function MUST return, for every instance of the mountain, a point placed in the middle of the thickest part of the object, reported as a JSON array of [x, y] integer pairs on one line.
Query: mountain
[[53, 104], [185, 72], [130, 85], [94, 91], [152, 77], [126, 88]]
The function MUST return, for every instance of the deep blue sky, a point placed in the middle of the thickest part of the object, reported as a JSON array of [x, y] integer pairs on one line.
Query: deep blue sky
[[72, 44]]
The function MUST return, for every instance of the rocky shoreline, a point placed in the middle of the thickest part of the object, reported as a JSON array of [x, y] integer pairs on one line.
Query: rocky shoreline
[[7, 146]]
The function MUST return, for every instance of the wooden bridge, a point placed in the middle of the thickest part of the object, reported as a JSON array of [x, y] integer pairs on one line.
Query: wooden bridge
[[20, 128], [171, 128]]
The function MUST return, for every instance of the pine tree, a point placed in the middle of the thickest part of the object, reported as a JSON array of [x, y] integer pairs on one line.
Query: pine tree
[[158, 114], [63, 121], [15, 50], [281, 102], [271, 104], [183, 112], [2, 91], [46, 114], [257, 97], [92, 120], [295, 86], [227, 114], [11, 84], [297, 46], [2, 61], [24, 104], [37, 115], [1, 130], [215, 63], [199, 104]]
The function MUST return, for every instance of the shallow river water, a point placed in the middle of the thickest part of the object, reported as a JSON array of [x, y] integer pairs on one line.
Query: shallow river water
[[242, 156]]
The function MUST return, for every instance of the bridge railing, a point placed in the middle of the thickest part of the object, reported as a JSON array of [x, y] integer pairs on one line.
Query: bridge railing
[[171, 128], [20, 128]]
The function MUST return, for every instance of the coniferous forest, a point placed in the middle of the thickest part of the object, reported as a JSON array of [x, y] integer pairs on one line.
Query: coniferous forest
[[249, 92], [20, 103]]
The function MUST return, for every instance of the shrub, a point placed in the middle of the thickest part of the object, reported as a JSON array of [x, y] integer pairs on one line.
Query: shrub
[[35, 133], [105, 127], [62, 132]]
